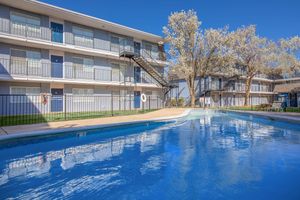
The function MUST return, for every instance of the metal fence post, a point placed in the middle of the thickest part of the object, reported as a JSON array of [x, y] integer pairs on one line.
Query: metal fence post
[[149, 102], [65, 106], [112, 104]]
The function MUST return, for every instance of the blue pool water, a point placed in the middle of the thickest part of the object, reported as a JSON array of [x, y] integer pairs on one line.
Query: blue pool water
[[208, 155]]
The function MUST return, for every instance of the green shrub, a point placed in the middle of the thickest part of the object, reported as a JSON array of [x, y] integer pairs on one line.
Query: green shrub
[[179, 102]]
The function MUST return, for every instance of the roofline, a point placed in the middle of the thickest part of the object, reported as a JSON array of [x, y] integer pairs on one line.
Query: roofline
[[153, 38]]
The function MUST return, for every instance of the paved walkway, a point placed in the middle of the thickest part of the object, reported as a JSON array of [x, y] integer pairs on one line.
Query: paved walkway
[[64, 125], [285, 116]]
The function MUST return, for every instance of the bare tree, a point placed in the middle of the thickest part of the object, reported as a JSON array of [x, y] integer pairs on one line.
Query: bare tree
[[195, 53], [252, 53], [286, 59]]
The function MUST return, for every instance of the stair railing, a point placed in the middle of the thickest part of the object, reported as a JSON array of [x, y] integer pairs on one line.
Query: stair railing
[[153, 60]]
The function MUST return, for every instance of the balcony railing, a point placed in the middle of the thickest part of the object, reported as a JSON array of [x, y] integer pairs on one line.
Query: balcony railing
[[29, 31], [44, 33], [40, 69]]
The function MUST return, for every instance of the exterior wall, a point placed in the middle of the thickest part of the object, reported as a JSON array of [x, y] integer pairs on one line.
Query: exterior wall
[[217, 95]]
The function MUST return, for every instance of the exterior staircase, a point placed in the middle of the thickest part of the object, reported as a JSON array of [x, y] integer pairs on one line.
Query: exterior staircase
[[148, 67]]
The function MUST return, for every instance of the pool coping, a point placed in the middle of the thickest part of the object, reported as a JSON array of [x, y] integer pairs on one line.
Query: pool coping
[[267, 115], [90, 127]]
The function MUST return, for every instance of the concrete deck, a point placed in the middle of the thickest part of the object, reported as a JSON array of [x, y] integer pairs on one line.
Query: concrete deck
[[284, 116], [22, 130]]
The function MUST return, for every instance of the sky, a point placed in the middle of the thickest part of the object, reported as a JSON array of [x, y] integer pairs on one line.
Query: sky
[[274, 19]]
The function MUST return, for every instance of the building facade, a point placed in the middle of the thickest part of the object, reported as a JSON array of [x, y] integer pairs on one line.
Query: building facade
[[49, 50], [220, 91]]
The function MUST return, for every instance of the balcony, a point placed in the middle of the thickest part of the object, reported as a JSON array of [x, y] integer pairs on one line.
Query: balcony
[[44, 33], [26, 30], [11, 68]]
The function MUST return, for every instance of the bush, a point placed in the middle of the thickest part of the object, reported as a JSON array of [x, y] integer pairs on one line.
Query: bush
[[179, 102]]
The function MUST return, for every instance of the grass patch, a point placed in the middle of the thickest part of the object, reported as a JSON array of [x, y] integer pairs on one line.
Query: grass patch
[[51, 117]]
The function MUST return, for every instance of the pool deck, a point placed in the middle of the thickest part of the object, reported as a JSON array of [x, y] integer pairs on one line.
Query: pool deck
[[63, 126], [283, 116]]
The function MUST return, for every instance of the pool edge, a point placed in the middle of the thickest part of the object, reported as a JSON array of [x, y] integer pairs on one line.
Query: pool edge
[[70, 129], [266, 116]]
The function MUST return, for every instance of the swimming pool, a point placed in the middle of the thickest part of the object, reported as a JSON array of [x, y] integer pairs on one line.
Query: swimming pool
[[207, 155]]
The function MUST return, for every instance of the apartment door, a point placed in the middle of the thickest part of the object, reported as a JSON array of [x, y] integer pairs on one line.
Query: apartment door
[[57, 100], [56, 32], [56, 66], [137, 48], [137, 74], [137, 99]]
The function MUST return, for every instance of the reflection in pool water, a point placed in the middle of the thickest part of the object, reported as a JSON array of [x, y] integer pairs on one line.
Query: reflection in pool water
[[208, 155]]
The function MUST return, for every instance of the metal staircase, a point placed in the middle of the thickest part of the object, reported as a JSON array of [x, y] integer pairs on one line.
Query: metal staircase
[[147, 67]]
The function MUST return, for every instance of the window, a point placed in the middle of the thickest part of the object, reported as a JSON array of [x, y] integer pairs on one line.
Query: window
[[83, 37], [82, 91], [115, 72], [85, 63], [25, 25], [21, 59], [25, 94], [83, 95], [33, 58], [233, 85], [115, 44], [148, 50]]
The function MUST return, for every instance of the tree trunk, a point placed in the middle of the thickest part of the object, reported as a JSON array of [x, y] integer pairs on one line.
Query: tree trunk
[[193, 99], [191, 87], [247, 90]]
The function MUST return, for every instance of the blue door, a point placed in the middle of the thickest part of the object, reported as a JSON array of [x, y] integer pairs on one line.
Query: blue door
[[57, 100], [56, 66], [137, 99], [137, 74], [56, 32]]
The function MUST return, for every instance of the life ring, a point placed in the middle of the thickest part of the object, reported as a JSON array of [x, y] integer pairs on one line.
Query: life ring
[[44, 99], [143, 98]]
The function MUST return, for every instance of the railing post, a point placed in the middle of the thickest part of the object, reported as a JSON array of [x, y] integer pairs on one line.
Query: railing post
[[149, 102], [157, 102], [26, 67], [94, 71]]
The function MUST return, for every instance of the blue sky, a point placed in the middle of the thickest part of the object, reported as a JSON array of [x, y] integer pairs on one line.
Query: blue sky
[[274, 18]]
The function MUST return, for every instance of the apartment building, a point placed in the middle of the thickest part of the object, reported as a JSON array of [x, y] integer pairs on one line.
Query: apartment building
[[220, 91], [45, 49]]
